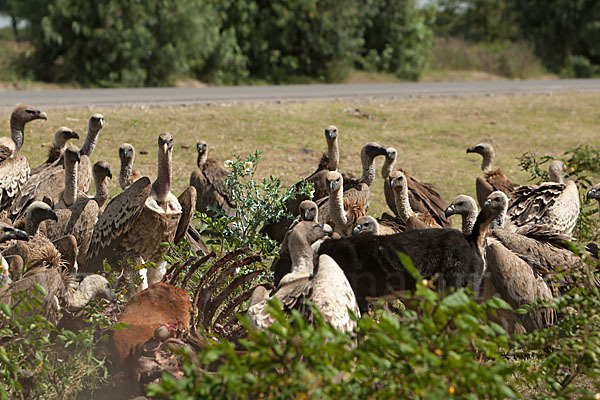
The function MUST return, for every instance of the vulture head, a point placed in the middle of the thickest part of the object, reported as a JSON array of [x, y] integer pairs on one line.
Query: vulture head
[[201, 147], [101, 170], [8, 232], [62, 135], [594, 193], [24, 113], [391, 154], [557, 170], [72, 155], [334, 181], [305, 233], [165, 143], [309, 211], [38, 212], [496, 203], [398, 180], [96, 122], [126, 153], [331, 133], [372, 150], [486, 151], [462, 205], [366, 225]]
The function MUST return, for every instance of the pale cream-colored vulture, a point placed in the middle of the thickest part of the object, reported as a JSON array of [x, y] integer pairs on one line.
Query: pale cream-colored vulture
[[77, 215], [422, 196], [328, 289], [55, 153], [386, 225], [138, 221], [466, 207], [60, 288], [492, 179], [14, 168], [555, 204], [209, 182], [343, 208], [412, 220], [127, 175]]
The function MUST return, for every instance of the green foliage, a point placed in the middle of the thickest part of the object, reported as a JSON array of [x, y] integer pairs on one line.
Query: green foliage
[[129, 42], [397, 38], [256, 203], [39, 361]]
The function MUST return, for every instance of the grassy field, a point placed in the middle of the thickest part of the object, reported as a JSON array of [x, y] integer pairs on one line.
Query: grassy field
[[430, 134]]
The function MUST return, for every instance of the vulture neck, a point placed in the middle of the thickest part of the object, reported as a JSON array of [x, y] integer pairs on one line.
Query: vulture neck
[[125, 172], [468, 221], [85, 292], [162, 184], [481, 227], [498, 222], [402, 203], [336, 208], [90, 142], [486, 163], [32, 226], [556, 177], [17, 129], [387, 167], [301, 254], [101, 190], [368, 165], [202, 157], [70, 192], [333, 154]]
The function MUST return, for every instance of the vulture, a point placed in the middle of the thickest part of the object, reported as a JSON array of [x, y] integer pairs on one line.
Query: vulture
[[60, 288], [49, 182], [7, 233], [423, 198], [139, 221], [77, 214], [61, 137], [412, 220], [127, 175], [209, 182], [14, 168], [386, 225], [555, 204], [594, 193], [466, 207], [345, 208], [326, 286], [374, 269], [492, 179]]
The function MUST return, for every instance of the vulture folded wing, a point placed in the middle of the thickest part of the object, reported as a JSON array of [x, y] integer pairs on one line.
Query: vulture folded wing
[[14, 173], [84, 174], [389, 224], [215, 176], [424, 198], [187, 200], [117, 219], [499, 181], [48, 183], [483, 189]]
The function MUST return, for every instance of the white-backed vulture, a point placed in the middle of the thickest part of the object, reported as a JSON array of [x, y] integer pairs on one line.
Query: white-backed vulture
[[8, 233], [79, 218], [14, 168], [386, 225], [373, 268], [55, 153], [492, 179], [137, 221], [412, 220], [209, 182], [328, 288], [344, 208], [555, 204], [127, 175], [466, 207], [49, 182], [422, 196], [60, 288]]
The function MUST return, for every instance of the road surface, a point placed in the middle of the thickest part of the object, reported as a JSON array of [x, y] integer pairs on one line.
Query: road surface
[[217, 95]]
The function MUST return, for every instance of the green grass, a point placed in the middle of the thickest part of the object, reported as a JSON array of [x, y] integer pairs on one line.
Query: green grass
[[431, 135]]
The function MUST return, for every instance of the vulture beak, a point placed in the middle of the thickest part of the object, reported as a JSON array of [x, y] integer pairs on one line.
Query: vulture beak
[[449, 211], [591, 194], [108, 173], [165, 147], [78, 157], [43, 116], [327, 229], [12, 233], [330, 134], [471, 150], [52, 215], [73, 135], [393, 182], [330, 186], [356, 230], [308, 215], [389, 154], [487, 203]]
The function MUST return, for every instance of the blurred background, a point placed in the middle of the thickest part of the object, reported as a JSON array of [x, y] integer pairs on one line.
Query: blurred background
[[135, 43]]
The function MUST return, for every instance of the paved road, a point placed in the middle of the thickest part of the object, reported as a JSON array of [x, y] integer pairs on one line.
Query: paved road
[[105, 97]]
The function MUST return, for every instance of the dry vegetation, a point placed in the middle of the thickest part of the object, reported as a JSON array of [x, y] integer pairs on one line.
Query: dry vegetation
[[431, 134]]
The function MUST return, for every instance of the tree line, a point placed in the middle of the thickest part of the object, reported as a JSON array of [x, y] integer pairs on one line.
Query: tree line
[[154, 42]]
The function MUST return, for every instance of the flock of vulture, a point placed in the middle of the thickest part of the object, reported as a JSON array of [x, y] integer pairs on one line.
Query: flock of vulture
[[333, 253]]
